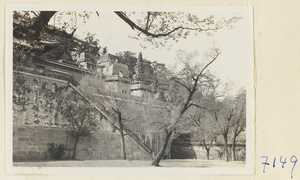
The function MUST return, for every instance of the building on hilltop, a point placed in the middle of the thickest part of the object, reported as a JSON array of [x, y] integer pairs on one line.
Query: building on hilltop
[[51, 59], [117, 78], [116, 74], [143, 78]]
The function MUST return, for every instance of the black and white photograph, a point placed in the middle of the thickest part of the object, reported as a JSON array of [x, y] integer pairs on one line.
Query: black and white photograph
[[155, 88]]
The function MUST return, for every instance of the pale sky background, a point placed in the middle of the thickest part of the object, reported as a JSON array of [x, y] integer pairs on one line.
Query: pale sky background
[[234, 64]]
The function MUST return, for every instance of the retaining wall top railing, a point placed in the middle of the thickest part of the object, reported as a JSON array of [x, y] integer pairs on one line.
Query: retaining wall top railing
[[49, 73]]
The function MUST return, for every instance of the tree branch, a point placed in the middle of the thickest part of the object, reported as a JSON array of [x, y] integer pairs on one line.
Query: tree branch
[[206, 66], [123, 16], [197, 106], [35, 13], [177, 81]]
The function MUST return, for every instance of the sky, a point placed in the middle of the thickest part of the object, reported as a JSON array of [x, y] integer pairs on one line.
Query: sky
[[233, 65]]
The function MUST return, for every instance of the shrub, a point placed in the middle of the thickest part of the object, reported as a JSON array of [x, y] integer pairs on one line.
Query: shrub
[[56, 152]]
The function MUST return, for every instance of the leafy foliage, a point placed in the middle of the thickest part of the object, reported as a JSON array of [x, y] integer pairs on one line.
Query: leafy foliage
[[128, 58], [33, 36], [159, 27], [82, 120], [79, 114], [151, 26]]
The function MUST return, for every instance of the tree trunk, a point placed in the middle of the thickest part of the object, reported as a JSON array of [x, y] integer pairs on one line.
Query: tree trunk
[[207, 149], [226, 147], [233, 148], [75, 147], [161, 153], [207, 154], [123, 152], [42, 21]]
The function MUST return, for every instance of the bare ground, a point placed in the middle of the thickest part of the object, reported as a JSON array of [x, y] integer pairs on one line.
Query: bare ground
[[133, 163]]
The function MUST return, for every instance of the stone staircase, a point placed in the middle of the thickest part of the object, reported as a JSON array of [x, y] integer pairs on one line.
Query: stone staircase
[[131, 135]]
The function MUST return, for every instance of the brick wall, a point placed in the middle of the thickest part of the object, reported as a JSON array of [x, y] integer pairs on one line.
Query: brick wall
[[34, 142]]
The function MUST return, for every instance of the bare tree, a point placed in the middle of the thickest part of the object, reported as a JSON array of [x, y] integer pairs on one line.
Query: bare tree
[[205, 129], [209, 91], [240, 123], [182, 92], [224, 117]]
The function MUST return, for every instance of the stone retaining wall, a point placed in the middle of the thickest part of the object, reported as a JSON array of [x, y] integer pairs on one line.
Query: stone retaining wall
[[33, 143], [198, 152]]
